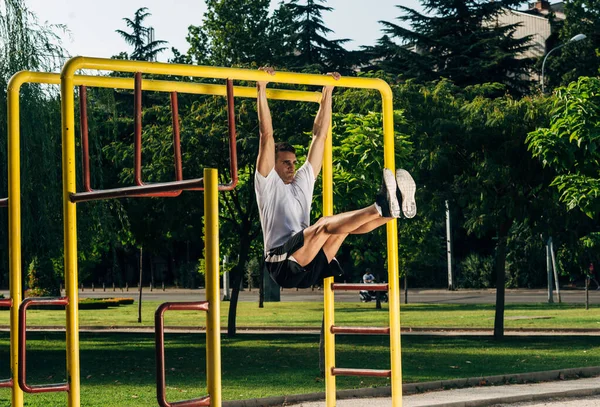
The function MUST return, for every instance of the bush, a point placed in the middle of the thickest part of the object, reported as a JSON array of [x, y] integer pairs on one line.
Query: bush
[[475, 271]]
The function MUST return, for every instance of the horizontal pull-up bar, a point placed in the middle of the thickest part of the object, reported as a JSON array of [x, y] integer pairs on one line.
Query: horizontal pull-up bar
[[162, 86], [3, 202], [80, 62]]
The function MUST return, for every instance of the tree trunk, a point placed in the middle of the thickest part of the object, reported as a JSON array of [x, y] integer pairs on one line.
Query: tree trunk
[[322, 348], [500, 271], [261, 285], [237, 275]]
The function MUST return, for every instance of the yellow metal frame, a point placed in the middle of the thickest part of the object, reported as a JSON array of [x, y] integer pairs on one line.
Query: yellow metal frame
[[14, 182], [68, 80]]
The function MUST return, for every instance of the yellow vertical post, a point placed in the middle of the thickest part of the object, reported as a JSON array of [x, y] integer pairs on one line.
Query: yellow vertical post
[[70, 234], [211, 258], [14, 230], [392, 249], [328, 299]]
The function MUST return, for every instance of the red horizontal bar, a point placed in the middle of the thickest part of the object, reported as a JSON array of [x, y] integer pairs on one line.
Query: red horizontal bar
[[359, 287], [6, 383], [22, 345], [360, 330], [337, 371], [159, 332], [136, 190], [3, 202]]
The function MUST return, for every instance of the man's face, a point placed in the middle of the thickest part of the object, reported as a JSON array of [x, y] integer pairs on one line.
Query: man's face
[[285, 166]]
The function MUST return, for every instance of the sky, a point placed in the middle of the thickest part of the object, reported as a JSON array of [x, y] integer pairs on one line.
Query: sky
[[92, 23]]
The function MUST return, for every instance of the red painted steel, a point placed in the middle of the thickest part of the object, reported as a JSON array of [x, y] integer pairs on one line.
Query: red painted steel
[[159, 328], [338, 371], [233, 168], [360, 330], [43, 388], [4, 202], [85, 149], [359, 287], [137, 143], [176, 136], [165, 189], [135, 191], [6, 303]]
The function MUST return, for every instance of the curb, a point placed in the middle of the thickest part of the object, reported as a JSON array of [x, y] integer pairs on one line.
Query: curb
[[415, 388]]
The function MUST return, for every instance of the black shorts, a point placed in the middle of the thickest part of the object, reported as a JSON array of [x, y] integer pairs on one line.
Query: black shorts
[[288, 273]]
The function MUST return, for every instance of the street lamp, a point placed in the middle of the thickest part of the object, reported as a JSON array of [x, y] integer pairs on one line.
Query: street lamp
[[578, 37]]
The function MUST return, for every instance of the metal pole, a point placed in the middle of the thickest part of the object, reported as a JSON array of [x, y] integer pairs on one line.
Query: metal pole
[[225, 280], [549, 271], [449, 249], [140, 296], [211, 255], [553, 257]]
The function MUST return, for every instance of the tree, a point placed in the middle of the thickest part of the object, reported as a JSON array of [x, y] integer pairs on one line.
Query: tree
[[570, 145], [308, 42], [25, 44], [234, 32], [581, 58], [144, 47], [459, 40]]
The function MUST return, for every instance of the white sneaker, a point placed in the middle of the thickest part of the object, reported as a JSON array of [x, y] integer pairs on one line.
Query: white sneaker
[[406, 190]]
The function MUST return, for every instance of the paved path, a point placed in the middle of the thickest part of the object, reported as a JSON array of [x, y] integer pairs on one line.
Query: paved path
[[555, 394], [431, 296]]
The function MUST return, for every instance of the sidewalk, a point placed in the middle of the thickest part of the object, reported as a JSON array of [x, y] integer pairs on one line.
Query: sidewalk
[[477, 396]]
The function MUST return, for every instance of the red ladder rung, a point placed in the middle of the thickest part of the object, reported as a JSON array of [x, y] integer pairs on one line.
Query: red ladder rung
[[338, 371], [360, 330], [359, 287], [4, 202]]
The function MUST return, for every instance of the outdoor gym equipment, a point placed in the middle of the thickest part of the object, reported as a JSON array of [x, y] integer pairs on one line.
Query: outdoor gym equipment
[[15, 208], [68, 80]]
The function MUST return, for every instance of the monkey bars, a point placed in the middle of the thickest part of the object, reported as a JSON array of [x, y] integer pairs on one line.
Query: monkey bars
[[68, 80], [165, 189], [14, 210]]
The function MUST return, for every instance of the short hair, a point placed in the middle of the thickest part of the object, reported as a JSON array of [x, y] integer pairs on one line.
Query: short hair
[[284, 146]]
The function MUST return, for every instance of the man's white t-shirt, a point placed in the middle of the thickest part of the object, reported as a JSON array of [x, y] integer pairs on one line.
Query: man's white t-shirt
[[284, 208]]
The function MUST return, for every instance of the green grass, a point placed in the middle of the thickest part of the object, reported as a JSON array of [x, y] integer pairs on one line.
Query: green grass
[[309, 314], [117, 369]]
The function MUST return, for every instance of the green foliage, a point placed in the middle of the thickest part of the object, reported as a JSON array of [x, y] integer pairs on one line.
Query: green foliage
[[458, 40], [475, 271], [570, 145], [233, 32], [144, 49], [42, 280], [581, 58]]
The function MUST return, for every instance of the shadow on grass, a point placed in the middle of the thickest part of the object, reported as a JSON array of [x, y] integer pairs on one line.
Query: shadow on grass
[[121, 366]]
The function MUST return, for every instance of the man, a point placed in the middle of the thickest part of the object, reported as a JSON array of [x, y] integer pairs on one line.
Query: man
[[368, 277], [296, 253]]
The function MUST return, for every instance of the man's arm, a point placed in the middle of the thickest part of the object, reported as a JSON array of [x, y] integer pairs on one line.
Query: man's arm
[[266, 147], [320, 129]]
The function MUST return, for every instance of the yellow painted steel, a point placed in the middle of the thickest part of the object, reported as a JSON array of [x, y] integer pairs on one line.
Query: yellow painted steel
[[392, 251], [328, 297], [67, 93], [14, 228], [14, 87], [70, 239], [211, 256]]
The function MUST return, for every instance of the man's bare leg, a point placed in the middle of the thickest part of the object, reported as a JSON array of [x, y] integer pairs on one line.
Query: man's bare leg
[[316, 236], [374, 224]]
